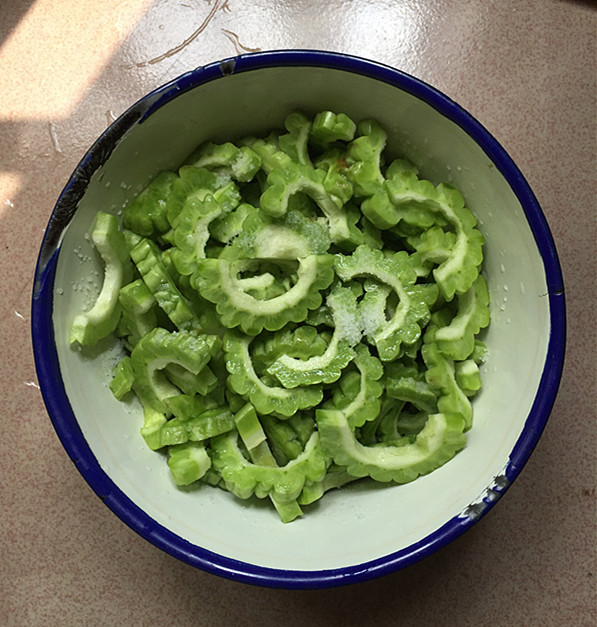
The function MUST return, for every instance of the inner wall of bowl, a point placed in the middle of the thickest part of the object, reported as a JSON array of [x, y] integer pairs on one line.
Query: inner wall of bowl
[[361, 522]]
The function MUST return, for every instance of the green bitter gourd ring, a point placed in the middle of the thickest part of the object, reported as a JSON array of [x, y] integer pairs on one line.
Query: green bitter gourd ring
[[267, 399], [439, 440], [325, 368], [414, 301], [217, 280]]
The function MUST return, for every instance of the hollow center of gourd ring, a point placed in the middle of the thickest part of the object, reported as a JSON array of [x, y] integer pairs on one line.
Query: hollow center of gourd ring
[[266, 278]]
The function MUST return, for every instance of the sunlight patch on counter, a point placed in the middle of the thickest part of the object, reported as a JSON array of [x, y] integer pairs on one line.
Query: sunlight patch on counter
[[53, 80]]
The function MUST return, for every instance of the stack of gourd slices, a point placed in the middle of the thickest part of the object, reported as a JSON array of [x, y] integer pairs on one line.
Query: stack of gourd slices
[[296, 313]]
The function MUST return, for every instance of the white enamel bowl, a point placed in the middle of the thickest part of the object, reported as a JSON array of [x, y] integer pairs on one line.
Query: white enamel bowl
[[355, 533]]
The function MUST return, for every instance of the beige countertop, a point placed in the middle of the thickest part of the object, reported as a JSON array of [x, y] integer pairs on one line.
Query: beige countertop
[[526, 69]]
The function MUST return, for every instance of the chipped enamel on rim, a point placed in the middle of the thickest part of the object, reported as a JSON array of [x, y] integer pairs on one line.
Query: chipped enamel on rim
[[210, 529]]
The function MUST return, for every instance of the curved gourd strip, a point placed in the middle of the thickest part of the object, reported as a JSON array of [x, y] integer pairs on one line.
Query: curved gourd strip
[[292, 236], [267, 399], [122, 378], [358, 393], [407, 383], [189, 405], [303, 342], [138, 311], [188, 382], [468, 376], [268, 149], [294, 142], [329, 127], [364, 156], [440, 375], [196, 183], [403, 199], [262, 280], [336, 181], [258, 283], [243, 162], [440, 439], [203, 310], [159, 348], [229, 225], [148, 259], [153, 421], [188, 462], [191, 233], [198, 428], [147, 213], [283, 183], [255, 441], [457, 340], [91, 326], [414, 301], [217, 281], [407, 197], [284, 483], [327, 367], [458, 271]]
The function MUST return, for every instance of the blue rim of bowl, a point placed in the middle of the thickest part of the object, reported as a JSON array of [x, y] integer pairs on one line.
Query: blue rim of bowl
[[65, 423]]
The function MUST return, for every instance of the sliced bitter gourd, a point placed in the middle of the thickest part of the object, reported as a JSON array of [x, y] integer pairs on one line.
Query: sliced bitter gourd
[[147, 258], [329, 127], [139, 312], [457, 252], [198, 428], [457, 339], [358, 392], [293, 236], [242, 162], [440, 439], [327, 367], [412, 310], [364, 156], [159, 348], [441, 376], [294, 141], [218, 282], [188, 462], [468, 376], [283, 183], [245, 478], [195, 183], [102, 319], [147, 213], [191, 234], [267, 399], [253, 436]]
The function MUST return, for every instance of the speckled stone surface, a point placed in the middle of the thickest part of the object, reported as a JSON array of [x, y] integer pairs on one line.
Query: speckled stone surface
[[526, 69]]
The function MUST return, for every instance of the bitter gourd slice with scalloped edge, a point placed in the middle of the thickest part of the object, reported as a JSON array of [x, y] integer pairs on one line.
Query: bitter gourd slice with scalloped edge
[[327, 367], [102, 318], [217, 280], [267, 399], [358, 392], [439, 440], [284, 483], [457, 339], [395, 271], [159, 348]]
